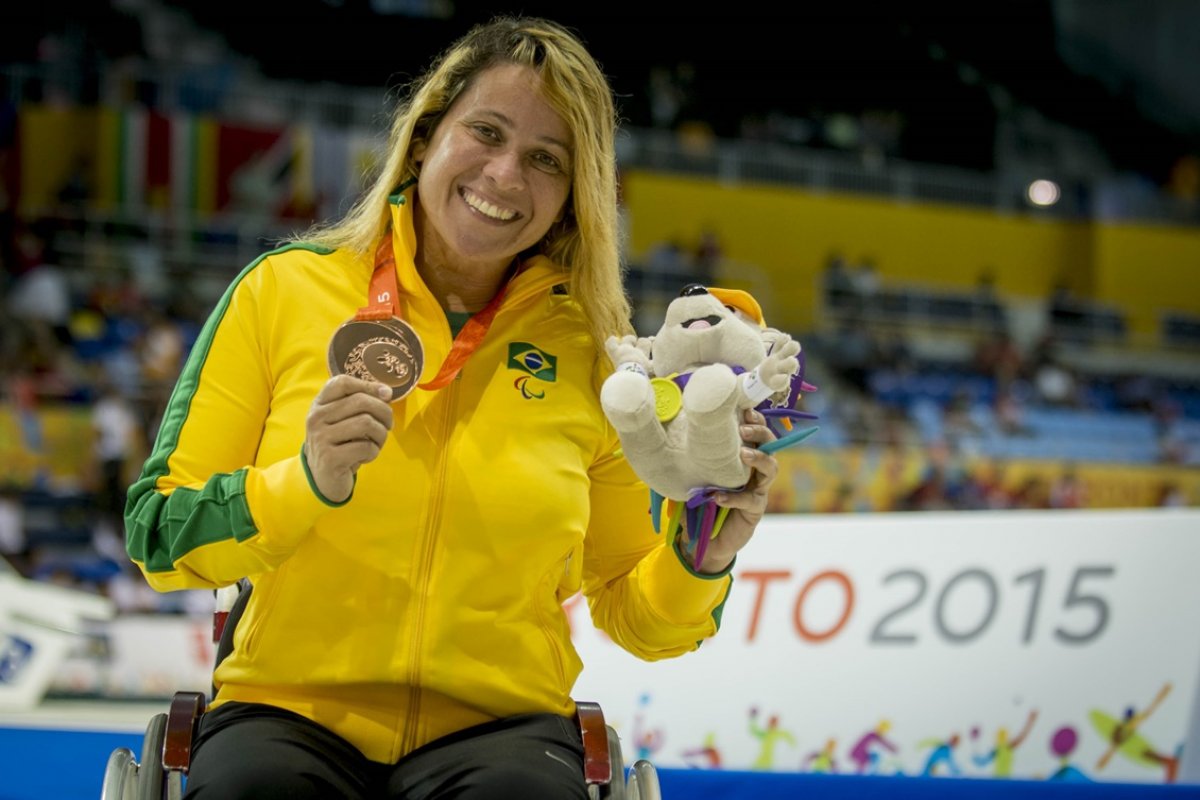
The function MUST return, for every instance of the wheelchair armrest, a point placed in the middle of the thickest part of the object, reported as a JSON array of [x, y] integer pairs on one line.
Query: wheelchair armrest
[[182, 722], [597, 767]]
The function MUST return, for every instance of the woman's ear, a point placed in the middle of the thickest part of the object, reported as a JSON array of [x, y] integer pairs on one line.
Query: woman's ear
[[418, 151]]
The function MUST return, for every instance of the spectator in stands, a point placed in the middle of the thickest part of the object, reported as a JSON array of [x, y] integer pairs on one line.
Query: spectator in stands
[[1183, 184], [930, 494], [897, 430], [853, 353], [1067, 315], [131, 595], [866, 284], [8, 210], [1031, 493], [1170, 496], [1056, 385], [706, 257], [880, 136], [842, 501], [116, 427], [160, 353], [665, 96], [1009, 410], [992, 487], [1172, 446], [255, 192], [14, 546], [76, 192], [987, 304], [410, 546], [41, 294], [997, 357], [1138, 393], [1067, 490], [960, 430], [669, 261], [839, 288], [858, 416], [40, 363], [944, 485]]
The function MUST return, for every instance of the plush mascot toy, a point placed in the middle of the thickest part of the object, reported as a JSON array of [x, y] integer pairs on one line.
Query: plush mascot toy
[[677, 399]]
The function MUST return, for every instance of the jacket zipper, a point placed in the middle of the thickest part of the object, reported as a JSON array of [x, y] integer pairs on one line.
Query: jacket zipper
[[437, 502]]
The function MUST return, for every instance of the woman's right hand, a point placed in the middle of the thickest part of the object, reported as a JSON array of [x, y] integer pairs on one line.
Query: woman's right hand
[[346, 427]]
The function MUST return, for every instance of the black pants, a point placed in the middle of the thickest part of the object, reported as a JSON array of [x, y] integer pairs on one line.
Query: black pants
[[259, 752]]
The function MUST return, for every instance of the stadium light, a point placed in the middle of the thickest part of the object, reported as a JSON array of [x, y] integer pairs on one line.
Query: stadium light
[[1043, 192]]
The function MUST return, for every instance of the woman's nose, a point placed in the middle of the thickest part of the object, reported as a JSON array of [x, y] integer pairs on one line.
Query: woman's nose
[[504, 169]]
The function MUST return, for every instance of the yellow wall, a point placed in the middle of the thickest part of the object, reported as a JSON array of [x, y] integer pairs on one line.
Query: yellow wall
[[65, 455], [789, 233], [1147, 270], [876, 479], [65, 139]]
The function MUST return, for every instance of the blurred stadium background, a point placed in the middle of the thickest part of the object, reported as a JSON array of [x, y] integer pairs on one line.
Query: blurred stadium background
[[982, 220]]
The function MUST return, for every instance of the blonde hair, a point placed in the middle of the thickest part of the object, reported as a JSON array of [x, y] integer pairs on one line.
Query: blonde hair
[[586, 240]]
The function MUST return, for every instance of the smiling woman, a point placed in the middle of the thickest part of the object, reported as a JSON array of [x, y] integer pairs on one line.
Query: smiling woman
[[494, 177], [411, 523]]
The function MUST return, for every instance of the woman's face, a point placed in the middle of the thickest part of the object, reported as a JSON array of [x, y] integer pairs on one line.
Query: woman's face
[[495, 174]]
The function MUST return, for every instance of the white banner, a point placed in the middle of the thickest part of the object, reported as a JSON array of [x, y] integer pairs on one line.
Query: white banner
[[155, 655], [1051, 645], [39, 622]]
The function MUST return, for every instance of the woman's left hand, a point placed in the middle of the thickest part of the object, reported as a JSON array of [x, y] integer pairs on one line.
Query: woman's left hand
[[748, 505]]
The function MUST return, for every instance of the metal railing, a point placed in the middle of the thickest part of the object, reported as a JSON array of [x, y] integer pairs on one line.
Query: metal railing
[[219, 90], [736, 161], [227, 92]]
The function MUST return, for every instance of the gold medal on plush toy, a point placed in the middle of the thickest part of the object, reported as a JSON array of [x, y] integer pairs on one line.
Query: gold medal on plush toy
[[668, 398]]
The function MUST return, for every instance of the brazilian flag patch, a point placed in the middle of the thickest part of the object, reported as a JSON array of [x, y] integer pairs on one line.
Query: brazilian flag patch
[[533, 360]]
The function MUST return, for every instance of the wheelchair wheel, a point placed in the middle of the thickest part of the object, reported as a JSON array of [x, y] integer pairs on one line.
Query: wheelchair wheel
[[120, 776], [152, 778], [174, 785], [616, 786], [643, 782]]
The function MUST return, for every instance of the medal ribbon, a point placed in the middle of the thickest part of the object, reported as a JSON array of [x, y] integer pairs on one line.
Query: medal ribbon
[[385, 304]]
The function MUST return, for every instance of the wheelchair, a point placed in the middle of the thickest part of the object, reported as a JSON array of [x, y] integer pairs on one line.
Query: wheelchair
[[167, 746]]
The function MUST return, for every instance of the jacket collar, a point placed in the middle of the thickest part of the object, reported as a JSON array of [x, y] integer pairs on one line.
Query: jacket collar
[[538, 274]]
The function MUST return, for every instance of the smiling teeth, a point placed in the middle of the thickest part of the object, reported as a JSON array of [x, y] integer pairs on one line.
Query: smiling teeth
[[487, 209]]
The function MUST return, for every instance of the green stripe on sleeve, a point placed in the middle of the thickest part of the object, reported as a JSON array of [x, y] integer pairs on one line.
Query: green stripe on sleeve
[[160, 529], [190, 518]]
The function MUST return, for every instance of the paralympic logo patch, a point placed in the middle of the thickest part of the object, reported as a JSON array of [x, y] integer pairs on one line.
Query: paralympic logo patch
[[535, 363]]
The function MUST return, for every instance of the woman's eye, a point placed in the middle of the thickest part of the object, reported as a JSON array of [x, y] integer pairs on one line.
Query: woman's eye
[[486, 132], [546, 161]]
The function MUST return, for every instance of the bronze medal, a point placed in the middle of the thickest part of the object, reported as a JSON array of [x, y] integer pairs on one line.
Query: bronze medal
[[386, 350]]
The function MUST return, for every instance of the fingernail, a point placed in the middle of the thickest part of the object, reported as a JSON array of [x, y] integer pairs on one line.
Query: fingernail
[[384, 392]]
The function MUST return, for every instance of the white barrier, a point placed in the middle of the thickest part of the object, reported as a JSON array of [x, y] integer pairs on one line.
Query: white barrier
[[39, 622]]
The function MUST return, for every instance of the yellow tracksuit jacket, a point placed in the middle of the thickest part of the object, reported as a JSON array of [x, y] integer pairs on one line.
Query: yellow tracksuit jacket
[[431, 599]]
